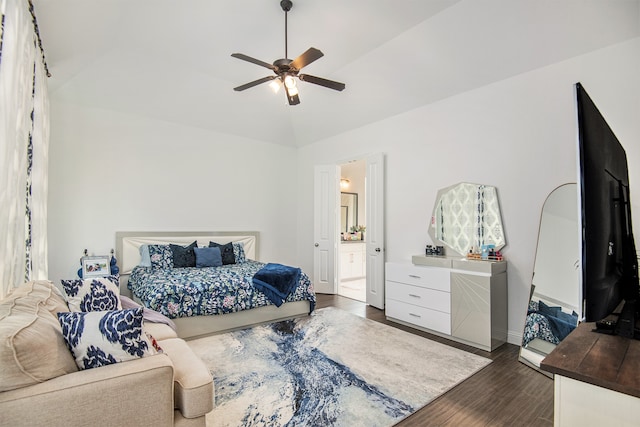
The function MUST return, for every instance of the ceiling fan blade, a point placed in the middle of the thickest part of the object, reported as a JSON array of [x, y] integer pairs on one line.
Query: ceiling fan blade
[[253, 60], [306, 58], [322, 82], [254, 83]]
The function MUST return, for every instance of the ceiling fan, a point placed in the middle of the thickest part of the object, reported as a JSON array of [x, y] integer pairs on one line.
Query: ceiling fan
[[286, 70]]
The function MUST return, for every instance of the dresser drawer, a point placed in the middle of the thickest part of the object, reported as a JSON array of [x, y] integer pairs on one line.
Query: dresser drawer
[[422, 297], [419, 316], [426, 277]]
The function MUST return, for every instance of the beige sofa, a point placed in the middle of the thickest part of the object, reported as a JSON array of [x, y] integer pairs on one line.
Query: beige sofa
[[40, 384]]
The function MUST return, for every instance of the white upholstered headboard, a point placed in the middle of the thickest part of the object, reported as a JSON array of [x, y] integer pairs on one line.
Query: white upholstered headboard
[[128, 243]]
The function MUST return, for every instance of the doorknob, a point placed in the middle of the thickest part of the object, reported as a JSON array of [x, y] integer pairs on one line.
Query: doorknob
[[316, 245], [377, 249]]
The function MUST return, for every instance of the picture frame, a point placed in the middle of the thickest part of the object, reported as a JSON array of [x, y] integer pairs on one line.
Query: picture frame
[[96, 266]]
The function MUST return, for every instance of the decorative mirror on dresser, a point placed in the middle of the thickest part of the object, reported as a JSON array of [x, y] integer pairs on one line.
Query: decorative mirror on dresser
[[554, 306], [466, 217]]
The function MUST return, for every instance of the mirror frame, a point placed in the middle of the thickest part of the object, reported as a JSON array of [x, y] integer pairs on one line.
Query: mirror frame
[[549, 250], [494, 230], [351, 219]]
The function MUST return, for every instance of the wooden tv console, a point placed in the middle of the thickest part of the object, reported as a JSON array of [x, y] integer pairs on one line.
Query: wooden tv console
[[596, 379]]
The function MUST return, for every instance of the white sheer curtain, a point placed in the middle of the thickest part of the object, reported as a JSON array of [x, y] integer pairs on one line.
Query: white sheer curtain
[[24, 146]]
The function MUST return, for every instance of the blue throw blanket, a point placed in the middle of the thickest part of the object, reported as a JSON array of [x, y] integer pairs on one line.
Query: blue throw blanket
[[277, 281]]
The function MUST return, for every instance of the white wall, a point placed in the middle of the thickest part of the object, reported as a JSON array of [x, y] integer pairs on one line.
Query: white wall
[[112, 171], [518, 135], [115, 172]]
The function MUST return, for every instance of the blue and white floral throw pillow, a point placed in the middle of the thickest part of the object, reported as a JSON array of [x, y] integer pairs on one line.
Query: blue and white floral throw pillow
[[101, 338], [160, 256], [93, 294], [238, 252]]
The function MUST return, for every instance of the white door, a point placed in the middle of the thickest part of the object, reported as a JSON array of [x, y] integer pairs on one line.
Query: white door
[[374, 208], [325, 228]]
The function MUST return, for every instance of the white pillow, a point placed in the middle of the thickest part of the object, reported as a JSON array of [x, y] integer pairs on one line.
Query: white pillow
[[101, 338], [93, 294]]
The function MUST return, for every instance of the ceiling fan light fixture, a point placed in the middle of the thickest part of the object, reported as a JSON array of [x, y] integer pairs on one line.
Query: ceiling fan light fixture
[[291, 90], [275, 85], [289, 81]]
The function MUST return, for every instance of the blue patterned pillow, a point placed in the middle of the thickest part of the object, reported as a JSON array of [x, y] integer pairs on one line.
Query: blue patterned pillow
[[101, 338], [238, 252], [161, 256], [93, 294]]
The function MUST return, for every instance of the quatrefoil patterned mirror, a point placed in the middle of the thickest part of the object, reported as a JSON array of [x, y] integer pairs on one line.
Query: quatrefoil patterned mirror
[[467, 216]]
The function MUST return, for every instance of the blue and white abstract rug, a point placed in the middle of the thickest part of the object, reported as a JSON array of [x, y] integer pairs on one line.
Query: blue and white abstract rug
[[332, 368]]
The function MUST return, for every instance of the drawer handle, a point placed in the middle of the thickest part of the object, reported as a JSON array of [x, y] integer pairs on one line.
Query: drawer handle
[[415, 315], [414, 276], [415, 296]]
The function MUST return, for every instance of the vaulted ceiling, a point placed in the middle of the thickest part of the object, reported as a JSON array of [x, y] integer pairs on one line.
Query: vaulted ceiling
[[170, 60]]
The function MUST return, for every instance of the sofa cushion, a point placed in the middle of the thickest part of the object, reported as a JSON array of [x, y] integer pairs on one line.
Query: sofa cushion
[[32, 349], [93, 294], [159, 331], [100, 338], [193, 388]]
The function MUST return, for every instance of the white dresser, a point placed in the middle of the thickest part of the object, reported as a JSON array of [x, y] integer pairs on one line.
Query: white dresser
[[456, 298]]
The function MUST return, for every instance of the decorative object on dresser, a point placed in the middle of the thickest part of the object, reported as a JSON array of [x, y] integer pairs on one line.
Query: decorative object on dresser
[[332, 368], [555, 286], [455, 298], [188, 295]]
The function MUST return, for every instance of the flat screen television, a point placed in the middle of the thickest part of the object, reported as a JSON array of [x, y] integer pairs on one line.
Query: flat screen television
[[609, 261]]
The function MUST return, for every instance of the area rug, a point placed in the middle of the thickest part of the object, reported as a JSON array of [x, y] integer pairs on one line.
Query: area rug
[[332, 368]]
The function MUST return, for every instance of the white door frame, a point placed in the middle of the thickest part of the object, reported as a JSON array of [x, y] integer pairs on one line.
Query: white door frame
[[326, 222]]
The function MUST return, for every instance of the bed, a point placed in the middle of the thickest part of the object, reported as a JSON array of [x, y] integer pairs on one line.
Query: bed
[[203, 301]]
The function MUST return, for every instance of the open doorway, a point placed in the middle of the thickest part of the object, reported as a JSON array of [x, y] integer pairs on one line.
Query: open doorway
[[352, 271]]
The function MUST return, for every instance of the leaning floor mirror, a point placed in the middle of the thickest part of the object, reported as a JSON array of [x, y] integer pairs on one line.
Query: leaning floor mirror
[[554, 307]]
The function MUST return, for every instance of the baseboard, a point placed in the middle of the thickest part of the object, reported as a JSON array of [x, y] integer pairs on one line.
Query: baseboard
[[514, 338]]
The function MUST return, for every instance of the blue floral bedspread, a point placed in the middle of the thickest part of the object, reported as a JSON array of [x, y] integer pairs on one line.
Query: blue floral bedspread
[[184, 292]]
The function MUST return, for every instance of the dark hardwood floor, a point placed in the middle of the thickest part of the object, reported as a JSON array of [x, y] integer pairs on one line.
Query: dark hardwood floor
[[505, 393]]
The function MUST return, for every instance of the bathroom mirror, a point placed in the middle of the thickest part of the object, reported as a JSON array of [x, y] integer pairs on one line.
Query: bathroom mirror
[[467, 216], [348, 211], [554, 305]]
